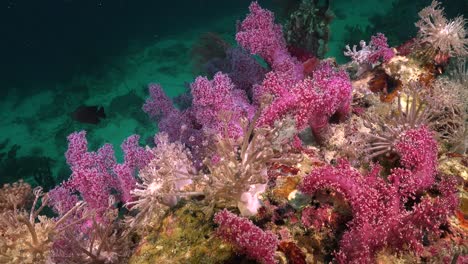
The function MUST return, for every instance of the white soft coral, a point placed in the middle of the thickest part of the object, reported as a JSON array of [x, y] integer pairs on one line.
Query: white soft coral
[[447, 36], [163, 180]]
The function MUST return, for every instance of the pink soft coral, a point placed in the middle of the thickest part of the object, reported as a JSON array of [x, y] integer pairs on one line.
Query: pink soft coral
[[311, 101], [96, 174], [380, 215], [246, 237], [259, 34], [417, 149], [219, 106]]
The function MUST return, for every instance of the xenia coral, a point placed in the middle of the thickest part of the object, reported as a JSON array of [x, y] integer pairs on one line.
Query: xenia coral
[[28, 237], [14, 196], [449, 111], [446, 36], [84, 240], [238, 168]]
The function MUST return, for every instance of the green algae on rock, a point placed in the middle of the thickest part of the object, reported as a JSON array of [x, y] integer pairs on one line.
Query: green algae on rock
[[185, 235]]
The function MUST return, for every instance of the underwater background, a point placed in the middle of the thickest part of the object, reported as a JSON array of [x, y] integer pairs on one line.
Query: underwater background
[[60, 55]]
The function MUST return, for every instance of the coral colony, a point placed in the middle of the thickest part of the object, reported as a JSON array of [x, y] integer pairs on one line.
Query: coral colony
[[302, 161]]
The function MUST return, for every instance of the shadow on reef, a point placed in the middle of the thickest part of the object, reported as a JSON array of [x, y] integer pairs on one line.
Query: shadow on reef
[[36, 167]]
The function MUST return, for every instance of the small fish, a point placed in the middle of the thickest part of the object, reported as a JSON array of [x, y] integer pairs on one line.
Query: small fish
[[88, 114]]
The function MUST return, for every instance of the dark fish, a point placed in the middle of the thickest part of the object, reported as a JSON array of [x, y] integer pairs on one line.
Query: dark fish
[[89, 114]]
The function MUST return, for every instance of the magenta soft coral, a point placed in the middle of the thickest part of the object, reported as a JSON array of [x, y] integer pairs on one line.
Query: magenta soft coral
[[259, 34], [246, 237], [380, 219], [371, 203], [417, 149], [96, 174], [311, 101], [380, 49], [219, 106]]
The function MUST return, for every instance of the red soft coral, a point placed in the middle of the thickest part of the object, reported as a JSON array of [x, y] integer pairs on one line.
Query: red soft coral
[[417, 149], [246, 237]]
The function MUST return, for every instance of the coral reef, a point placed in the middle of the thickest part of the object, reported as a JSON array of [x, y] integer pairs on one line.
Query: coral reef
[[302, 161]]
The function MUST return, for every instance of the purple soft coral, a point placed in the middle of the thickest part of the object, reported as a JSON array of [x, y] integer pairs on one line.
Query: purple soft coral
[[135, 158], [159, 104], [179, 125], [62, 200], [91, 171], [96, 174]]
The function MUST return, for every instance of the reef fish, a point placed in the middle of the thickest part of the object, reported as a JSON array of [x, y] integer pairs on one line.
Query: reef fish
[[89, 114]]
